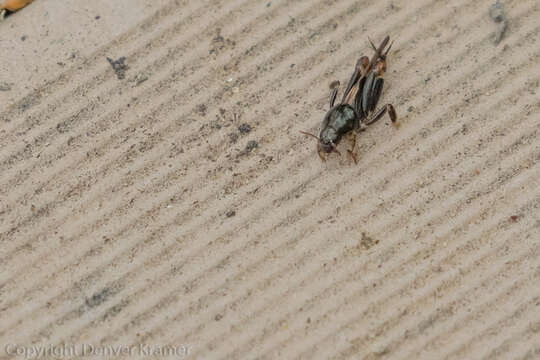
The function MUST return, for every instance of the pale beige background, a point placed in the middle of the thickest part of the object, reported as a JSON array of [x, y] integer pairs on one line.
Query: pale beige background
[[131, 211]]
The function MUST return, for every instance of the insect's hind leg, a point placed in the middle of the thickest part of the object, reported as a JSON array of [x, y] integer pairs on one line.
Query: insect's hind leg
[[388, 108], [359, 72]]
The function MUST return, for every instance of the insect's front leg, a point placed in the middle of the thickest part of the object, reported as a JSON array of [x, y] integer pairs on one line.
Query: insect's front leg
[[320, 152], [352, 152]]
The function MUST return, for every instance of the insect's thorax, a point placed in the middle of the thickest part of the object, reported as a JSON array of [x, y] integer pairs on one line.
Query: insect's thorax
[[340, 121]]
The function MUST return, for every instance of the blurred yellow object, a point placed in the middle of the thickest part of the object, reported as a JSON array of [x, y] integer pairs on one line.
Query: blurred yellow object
[[12, 5]]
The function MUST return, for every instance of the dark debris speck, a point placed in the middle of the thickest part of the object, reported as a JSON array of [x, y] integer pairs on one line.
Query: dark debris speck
[[251, 145], [230, 213], [245, 128], [233, 137], [202, 109], [5, 86], [367, 241], [119, 66], [98, 298], [496, 13]]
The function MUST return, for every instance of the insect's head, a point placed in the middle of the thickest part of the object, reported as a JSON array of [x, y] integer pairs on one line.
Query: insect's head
[[328, 147], [323, 145]]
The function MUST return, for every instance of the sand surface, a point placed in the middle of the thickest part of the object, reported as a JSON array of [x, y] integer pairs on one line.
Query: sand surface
[[173, 201]]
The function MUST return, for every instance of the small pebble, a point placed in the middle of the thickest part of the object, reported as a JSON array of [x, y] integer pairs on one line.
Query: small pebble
[[252, 144], [245, 128], [5, 87], [496, 13], [233, 137], [202, 109], [119, 66]]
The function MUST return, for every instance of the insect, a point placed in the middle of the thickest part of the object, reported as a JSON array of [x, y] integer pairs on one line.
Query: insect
[[358, 107], [11, 5]]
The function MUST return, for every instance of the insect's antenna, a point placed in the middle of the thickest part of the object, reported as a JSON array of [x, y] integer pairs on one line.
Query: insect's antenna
[[306, 133]]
